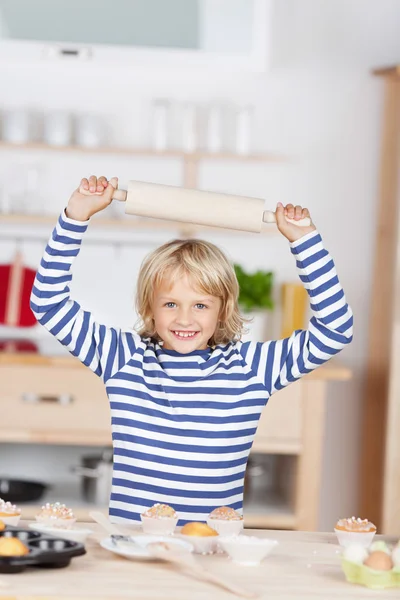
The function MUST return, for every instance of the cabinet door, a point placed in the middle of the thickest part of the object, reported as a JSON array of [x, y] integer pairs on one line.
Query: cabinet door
[[53, 404], [280, 427]]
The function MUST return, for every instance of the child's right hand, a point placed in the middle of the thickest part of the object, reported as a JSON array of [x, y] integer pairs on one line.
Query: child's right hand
[[92, 196]]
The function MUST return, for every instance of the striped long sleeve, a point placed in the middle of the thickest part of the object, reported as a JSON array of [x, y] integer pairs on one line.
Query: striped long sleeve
[[103, 349], [278, 363]]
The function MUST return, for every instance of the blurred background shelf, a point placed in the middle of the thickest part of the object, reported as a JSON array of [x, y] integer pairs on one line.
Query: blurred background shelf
[[136, 223], [148, 152]]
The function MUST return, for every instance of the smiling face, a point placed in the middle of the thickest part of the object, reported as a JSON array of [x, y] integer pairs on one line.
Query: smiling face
[[185, 318]]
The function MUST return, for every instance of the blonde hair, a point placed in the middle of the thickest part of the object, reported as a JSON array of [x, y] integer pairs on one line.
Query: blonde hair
[[209, 270]]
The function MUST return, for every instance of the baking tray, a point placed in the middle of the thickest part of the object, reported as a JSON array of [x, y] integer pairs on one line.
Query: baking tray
[[45, 551]]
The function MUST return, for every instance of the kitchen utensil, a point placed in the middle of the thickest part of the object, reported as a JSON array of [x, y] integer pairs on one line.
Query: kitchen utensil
[[17, 491], [44, 551], [102, 520], [16, 283], [186, 561], [195, 206], [96, 472]]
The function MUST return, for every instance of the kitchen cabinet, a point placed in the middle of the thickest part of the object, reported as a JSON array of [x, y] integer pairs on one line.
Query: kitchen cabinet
[[380, 466], [56, 400], [155, 34]]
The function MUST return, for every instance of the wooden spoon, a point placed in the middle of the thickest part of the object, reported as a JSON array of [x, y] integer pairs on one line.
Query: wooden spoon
[[185, 560]]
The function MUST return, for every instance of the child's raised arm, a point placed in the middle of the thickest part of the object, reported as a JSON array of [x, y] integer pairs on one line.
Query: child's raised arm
[[278, 363], [103, 349]]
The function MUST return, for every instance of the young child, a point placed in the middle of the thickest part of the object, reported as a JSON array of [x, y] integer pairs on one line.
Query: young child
[[185, 393]]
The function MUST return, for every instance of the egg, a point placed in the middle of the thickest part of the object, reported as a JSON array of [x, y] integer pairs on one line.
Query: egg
[[396, 555], [355, 553], [379, 561], [382, 546]]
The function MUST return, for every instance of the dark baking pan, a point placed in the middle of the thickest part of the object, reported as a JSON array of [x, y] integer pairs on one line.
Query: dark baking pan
[[45, 551]]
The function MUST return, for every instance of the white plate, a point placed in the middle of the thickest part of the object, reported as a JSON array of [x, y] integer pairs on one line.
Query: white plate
[[139, 552], [76, 534]]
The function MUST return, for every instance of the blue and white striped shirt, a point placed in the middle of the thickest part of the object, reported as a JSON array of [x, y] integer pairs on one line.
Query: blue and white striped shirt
[[183, 425]]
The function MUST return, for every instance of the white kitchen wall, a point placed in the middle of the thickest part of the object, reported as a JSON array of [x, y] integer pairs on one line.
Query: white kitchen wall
[[318, 104]]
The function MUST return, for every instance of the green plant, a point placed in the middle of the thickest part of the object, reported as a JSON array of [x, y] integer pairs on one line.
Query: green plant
[[255, 289]]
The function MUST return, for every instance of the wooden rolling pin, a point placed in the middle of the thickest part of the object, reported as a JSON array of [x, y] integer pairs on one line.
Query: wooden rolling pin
[[197, 207]]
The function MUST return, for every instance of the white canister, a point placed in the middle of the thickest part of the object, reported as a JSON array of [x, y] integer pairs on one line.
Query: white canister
[[89, 130], [189, 128], [159, 125], [214, 129], [57, 128], [243, 130], [16, 126]]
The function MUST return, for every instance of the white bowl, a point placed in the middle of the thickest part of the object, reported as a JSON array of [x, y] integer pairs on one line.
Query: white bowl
[[247, 550], [202, 544], [347, 538], [159, 526], [11, 520], [226, 528], [75, 534]]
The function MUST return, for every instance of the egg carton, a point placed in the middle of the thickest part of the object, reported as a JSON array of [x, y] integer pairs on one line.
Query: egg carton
[[375, 580], [45, 551]]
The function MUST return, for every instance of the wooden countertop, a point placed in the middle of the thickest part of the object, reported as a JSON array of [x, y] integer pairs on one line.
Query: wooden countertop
[[332, 370], [303, 566]]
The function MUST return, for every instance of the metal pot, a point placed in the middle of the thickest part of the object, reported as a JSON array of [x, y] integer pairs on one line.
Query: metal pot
[[20, 490], [96, 472]]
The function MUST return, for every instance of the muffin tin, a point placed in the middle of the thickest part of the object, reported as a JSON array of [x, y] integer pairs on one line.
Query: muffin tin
[[45, 551]]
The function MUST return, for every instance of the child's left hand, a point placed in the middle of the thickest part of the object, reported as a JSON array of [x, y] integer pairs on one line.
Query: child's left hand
[[289, 230]]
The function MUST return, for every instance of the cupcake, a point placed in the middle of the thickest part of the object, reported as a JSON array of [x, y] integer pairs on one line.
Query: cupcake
[[355, 531], [225, 521], [201, 536], [12, 546], [56, 515], [160, 519], [10, 514]]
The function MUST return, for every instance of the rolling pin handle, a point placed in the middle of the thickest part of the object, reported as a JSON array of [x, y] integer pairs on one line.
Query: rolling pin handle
[[120, 195], [270, 217]]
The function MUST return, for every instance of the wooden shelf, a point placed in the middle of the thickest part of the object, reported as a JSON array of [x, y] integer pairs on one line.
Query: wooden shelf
[[392, 72], [136, 223], [188, 156]]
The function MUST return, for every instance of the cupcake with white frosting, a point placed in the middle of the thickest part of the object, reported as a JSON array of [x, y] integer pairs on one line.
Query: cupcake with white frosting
[[10, 514], [56, 515], [354, 531]]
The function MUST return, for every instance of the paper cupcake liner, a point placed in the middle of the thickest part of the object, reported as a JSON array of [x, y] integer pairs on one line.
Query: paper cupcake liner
[[57, 523], [346, 538], [201, 544], [159, 526], [226, 528], [11, 520]]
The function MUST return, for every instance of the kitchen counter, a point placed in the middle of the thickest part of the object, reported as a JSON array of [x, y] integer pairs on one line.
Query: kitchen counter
[[304, 565]]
